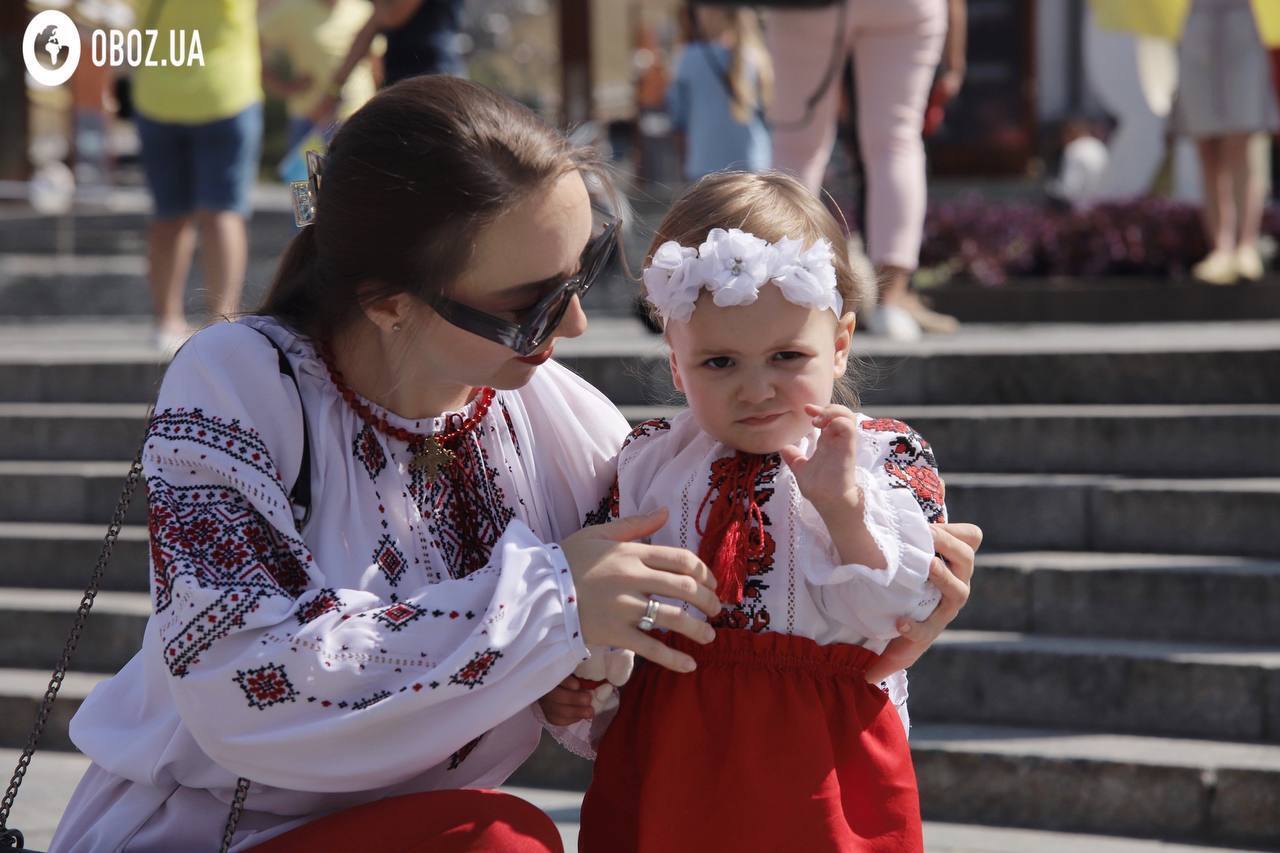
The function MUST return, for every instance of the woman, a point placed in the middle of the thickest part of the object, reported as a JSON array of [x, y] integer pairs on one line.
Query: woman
[[372, 664], [1225, 97], [896, 47], [723, 81]]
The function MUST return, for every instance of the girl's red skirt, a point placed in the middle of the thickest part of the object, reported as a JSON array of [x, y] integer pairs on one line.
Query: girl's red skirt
[[774, 743]]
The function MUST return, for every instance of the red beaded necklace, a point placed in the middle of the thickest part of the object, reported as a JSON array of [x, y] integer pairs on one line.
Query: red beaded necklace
[[432, 453]]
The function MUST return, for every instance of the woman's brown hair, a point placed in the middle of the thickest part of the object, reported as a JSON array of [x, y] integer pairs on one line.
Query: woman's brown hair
[[409, 182]]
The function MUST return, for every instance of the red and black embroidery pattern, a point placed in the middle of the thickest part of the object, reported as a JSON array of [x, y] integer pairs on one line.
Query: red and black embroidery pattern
[[266, 686], [911, 465], [473, 674], [213, 537], [368, 450], [325, 601], [399, 614], [925, 486], [389, 559], [751, 613], [241, 444], [465, 508], [461, 755], [511, 427], [608, 509], [645, 429]]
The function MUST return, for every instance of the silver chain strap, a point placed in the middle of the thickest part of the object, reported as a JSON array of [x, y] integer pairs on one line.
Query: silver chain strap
[[12, 838], [60, 671]]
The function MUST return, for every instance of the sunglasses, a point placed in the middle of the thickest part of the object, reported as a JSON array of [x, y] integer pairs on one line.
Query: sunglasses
[[533, 325]]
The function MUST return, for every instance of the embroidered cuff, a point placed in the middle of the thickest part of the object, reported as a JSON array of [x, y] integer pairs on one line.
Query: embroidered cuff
[[569, 599]]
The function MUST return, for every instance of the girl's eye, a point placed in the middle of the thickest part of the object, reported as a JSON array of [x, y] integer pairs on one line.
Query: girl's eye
[[789, 356], [718, 363]]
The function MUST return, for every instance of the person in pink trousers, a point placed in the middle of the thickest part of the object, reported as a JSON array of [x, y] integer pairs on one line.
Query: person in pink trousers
[[896, 47]]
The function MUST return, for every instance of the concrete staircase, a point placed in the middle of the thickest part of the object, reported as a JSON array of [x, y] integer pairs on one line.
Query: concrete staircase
[[1116, 673]]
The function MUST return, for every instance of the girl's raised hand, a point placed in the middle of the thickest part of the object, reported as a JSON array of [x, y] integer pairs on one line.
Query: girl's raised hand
[[827, 478]]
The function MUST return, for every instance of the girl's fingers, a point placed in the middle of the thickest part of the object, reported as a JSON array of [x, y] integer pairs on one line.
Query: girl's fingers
[[793, 456], [958, 554], [955, 592], [570, 698], [969, 534], [823, 415], [562, 716], [655, 651]]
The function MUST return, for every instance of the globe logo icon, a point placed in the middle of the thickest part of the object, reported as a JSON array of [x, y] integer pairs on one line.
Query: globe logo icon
[[51, 51], [51, 48]]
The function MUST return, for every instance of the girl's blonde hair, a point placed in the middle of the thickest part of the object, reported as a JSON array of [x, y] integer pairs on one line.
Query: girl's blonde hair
[[770, 205], [750, 92]]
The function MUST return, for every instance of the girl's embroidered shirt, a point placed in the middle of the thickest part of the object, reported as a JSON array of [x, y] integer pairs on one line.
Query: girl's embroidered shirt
[[395, 644], [797, 585]]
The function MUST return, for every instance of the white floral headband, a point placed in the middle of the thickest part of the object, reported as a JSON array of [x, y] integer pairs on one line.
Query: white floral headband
[[733, 265]]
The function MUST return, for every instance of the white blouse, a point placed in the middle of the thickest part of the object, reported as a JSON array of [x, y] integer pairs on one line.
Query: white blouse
[[799, 586], [394, 644]]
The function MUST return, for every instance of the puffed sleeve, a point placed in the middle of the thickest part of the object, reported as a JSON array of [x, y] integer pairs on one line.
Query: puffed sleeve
[[902, 496], [282, 676]]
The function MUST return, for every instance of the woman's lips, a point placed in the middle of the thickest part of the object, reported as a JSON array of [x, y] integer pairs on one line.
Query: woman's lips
[[761, 420], [540, 358]]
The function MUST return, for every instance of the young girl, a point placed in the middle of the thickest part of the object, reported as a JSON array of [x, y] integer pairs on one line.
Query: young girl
[[723, 82], [815, 522]]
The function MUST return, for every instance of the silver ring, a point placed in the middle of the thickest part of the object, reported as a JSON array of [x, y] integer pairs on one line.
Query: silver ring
[[650, 614]]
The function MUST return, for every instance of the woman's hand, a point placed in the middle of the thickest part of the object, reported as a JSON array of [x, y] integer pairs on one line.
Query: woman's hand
[[952, 573], [567, 703], [616, 576]]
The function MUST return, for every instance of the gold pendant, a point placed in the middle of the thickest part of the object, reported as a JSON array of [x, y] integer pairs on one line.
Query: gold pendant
[[431, 459]]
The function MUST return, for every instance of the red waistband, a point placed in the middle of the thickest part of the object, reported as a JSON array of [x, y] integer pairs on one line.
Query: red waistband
[[771, 650]]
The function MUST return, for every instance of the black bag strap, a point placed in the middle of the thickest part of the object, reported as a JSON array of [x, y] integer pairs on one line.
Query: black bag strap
[[299, 496]]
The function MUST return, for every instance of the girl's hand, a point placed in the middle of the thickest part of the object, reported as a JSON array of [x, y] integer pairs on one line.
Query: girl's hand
[[616, 576], [952, 574], [826, 479], [567, 703]]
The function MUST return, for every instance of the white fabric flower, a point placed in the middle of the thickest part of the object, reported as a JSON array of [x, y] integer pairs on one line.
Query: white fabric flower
[[669, 280], [738, 262], [733, 265], [809, 277]]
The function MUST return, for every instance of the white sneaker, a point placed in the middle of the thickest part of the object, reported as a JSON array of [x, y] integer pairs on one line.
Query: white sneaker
[[1248, 263], [1217, 268], [168, 341], [894, 323]]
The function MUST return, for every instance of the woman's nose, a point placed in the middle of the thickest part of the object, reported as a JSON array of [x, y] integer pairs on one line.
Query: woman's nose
[[574, 321]]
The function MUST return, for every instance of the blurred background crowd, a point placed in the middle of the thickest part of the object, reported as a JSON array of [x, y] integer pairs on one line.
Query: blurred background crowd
[[963, 143]]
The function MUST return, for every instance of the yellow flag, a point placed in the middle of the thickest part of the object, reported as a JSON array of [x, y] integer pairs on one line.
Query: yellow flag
[[1164, 18]]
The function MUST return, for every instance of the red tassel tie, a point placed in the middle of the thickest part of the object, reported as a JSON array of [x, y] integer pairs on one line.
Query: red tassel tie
[[727, 542]]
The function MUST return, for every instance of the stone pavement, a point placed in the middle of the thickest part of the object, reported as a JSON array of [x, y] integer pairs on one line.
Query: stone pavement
[[53, 776], [1115, 674]]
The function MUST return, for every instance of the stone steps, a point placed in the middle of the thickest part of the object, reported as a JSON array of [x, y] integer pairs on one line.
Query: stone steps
[[1186, 598], [1066, 512], [1201, 690], [109, 363], [1062, 780], [1179, 441], [1118, 685], [62, 556]]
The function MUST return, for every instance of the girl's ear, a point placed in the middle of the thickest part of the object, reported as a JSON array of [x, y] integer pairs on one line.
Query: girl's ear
[[844, 342], [675, 373]]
